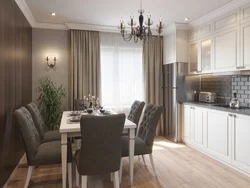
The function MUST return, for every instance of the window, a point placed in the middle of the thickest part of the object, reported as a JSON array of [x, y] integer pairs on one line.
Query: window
[[121, 72]]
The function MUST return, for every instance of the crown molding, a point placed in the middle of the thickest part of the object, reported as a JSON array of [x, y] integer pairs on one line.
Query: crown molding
[[217, 13], [90, 27], [26, 11], [50, 26]]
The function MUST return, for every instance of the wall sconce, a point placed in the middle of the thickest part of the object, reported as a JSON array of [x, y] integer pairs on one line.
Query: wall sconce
[[51, 65]]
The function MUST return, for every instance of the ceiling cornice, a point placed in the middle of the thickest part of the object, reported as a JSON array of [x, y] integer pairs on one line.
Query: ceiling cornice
[[26, 11], [218, 12], [90, 27], [50, 26]]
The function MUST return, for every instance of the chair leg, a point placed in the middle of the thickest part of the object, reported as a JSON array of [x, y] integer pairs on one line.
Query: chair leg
[[84, 181], [152, 164], [120, 172], [78, 144], [77, 177], [111, 177], [116, 179], [70, 174], [29, 174], [143, 160]]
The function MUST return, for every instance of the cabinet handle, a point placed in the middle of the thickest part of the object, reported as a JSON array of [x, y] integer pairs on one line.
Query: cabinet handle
[[232, 115], [240, 67]]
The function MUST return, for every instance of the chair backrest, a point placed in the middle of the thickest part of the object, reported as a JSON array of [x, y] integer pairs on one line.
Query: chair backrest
[[135, 111], [149, 123], [37, 118], [101, 144], [29, 132], [79, 104]]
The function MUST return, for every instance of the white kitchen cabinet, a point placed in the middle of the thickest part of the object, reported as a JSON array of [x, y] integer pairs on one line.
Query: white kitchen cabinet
[[197, 125], [245, 46], [186, 123], [222, 135], [194, 61], [241, 141], [227, 21], [206, 55], [219, 134], [226, 50], [175, 47], [245, 13]]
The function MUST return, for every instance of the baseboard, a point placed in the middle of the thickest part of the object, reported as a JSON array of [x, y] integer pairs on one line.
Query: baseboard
[[14, 171]]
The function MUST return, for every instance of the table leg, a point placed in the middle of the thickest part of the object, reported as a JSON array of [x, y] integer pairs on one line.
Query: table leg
[[64, 158], [131, 154]]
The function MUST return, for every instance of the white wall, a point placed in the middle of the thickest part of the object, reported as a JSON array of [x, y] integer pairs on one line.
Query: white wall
[[51, 43]]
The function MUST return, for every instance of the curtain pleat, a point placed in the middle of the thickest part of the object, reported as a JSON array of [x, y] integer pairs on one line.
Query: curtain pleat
[[152, 62], [84, 65]]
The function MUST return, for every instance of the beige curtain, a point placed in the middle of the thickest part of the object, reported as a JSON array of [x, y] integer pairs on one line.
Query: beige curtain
[[85, 65], [152, 61]]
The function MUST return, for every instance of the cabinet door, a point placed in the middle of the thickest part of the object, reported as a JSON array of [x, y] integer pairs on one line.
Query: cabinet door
[[170, 49], [198, 126], [206, 55], [218, 134], [186, 123], [245, 41], [241, 140], [194, 65], [226, 50]]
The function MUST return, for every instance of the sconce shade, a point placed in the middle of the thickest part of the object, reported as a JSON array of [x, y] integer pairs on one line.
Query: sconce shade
[[50, 64]]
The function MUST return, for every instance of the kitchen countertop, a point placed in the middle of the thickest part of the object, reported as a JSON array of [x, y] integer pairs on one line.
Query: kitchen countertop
[[243, 111]]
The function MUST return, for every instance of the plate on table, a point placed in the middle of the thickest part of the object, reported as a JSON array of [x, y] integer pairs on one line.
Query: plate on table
[[75, 119], [105, 112], [75, 113]]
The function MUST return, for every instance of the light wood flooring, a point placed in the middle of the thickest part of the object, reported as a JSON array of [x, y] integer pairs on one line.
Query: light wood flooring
[[177, 166]]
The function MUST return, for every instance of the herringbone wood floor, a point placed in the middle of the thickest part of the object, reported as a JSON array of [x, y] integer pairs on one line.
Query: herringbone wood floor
[[177, 166]]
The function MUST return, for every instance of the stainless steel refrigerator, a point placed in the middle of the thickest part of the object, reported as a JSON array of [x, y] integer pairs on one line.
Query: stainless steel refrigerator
[[175, 90]]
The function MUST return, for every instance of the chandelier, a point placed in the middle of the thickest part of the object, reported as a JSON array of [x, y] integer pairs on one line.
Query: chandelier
[[141, 31]]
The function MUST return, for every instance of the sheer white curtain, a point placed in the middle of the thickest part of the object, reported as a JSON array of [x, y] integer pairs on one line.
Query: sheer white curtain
[[121, 72]]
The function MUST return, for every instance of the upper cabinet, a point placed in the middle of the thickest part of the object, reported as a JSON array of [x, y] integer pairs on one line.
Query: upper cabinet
[[206, 56], [226, 50], [221, 45], [175, 47], [200, 56]]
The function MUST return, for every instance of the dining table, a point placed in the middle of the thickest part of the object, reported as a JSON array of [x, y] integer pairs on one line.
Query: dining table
[[70, 129]]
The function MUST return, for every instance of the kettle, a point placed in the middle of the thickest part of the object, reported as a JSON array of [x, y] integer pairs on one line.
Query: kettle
[[234, 103]]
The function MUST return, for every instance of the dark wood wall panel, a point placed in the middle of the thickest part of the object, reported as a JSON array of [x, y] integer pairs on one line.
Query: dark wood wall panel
[[15, 82]]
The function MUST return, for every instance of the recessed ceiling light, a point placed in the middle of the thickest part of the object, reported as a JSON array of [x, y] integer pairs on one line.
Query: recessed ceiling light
[[52, 13], [186, 19]]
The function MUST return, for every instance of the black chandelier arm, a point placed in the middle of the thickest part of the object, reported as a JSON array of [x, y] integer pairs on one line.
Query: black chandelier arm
[[127, 39]]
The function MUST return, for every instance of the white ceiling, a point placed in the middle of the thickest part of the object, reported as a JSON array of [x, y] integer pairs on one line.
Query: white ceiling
[[109, 12]]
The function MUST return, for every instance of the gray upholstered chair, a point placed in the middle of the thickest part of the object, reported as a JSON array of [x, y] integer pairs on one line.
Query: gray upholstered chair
[[145, 137], [136, 111], [45, 135], [39, 153], [79, 104], [101, 146]]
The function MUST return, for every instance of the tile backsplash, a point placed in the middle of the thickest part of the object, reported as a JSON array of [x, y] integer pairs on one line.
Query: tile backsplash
[[225, 86]]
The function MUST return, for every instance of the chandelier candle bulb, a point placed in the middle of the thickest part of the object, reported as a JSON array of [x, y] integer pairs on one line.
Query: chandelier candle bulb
[[149, 15], [132, 16]]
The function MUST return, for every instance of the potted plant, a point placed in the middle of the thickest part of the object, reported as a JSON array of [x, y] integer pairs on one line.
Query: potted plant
[[50, 102]]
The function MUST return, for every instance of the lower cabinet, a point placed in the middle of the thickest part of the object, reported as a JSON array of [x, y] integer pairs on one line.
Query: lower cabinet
[[222, 135], [219, 134], [241, 142]]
